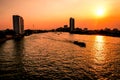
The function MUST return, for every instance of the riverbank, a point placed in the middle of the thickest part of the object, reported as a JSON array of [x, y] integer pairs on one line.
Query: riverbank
[[2, 40], [7, 37], [112, 35]]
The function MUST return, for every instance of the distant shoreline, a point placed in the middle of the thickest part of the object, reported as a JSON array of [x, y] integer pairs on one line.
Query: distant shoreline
[[8, 37], [99, 34]]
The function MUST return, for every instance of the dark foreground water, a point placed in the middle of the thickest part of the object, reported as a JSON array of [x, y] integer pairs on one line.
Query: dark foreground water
[[52, 56]]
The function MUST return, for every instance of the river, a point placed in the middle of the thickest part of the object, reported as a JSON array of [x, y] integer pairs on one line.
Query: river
[[52, 56]]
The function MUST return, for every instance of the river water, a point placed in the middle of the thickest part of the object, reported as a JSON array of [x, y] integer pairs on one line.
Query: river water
[[53, 56]]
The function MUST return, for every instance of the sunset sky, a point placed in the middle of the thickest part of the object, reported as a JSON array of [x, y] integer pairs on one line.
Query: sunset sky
[[49, 14]]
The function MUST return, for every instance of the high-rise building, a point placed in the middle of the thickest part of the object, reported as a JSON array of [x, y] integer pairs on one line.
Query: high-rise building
[[18, 24], [72, 24]]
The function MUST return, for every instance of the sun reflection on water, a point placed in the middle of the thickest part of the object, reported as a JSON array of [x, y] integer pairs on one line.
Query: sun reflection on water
[[99, 49]]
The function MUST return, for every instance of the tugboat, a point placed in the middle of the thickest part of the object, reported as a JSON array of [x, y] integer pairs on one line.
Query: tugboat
[[81, 44]]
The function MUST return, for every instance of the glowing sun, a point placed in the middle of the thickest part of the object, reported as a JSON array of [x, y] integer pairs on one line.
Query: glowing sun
[[100, 12]]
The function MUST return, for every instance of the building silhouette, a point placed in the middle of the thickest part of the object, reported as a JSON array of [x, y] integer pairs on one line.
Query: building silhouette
[[72, 24], [18, 25]]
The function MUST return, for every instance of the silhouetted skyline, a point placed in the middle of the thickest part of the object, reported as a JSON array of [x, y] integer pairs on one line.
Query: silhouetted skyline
[[18, 31]]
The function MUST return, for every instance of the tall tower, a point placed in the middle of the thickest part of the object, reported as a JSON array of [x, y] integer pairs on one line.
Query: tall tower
[[18, 24], [72, 24]]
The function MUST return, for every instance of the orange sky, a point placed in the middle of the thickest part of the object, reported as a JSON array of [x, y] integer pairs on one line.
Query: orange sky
[[49, 14]]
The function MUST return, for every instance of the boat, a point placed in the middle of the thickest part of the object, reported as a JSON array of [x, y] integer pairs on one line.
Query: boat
[[81, 44]]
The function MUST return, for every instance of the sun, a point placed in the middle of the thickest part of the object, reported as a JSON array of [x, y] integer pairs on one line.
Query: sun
[[100, 12]]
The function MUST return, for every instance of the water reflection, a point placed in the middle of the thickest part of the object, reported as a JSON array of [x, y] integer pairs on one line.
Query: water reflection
[[11, 60], [99, 49], [18, 54], [99, 38]]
